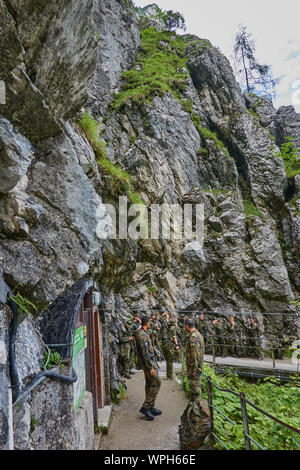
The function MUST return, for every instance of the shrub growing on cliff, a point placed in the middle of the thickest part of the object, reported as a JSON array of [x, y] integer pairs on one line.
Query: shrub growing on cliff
[[290, 156], [91, 129], [167, 19]]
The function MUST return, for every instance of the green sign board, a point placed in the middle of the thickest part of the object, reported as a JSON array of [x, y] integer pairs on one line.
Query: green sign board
[[78, 362]]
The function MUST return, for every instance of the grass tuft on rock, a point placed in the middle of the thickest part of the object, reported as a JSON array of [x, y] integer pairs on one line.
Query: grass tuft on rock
[[158, 70], [120, 179]]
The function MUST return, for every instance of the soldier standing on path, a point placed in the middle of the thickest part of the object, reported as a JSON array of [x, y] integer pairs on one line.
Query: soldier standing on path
[[231, 337], [169, 346], [194, 358], [201, 326], [125, 339], [219, 341], [149, 365], [135, 326], [254, 349], [154, 336]]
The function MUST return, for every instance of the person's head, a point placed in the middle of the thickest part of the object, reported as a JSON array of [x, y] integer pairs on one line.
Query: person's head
[[137, 319], [252, 320], [145, 322], [201, 316], [231, 318], [166, 316], [189, 325], [153, 316]]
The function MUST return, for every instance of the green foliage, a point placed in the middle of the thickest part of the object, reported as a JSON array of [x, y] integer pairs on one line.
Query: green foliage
[[117, 396], [151, 288], [207, 134], [290, 156], [281, 401], [217, 191], [158, 69], [255, 77], [120, 179], [122, 391], [33, 423], [254, 115], [91, 129], [25, 306], [170, 19], [52, 360], [202, 151], [251, 210]]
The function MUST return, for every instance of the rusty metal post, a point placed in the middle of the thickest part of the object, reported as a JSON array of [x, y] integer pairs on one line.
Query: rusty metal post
[[210, 400], [213, 349], [273, 354], [245, 421]]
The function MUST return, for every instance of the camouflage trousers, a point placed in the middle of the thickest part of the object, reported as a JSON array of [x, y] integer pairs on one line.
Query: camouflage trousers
[[152, 386], [195, 387], [169, 353], [125, 362]]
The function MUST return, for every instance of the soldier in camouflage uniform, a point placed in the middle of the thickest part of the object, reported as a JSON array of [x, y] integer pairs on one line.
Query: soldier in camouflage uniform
[[231, 337], [169, 346], [194, 355], [125, 339], [183, 334], [201, 326], [146, 357], [219, 340], [135, 325], [254, 349], [154, 332]]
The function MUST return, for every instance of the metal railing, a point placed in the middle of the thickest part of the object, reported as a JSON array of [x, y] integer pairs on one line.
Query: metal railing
[[243, 403]]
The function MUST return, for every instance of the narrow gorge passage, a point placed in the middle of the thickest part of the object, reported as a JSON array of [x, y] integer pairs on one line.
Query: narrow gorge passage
[[129, 428]]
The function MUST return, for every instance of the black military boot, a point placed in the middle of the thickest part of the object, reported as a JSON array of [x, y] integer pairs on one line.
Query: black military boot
[[127, 376], [147, 413], [155, 411]]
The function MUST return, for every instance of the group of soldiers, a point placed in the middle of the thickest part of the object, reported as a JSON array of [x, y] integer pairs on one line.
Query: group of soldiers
[[145, 341], [168, 336], [223, 339], [163, 333], [156, 338]]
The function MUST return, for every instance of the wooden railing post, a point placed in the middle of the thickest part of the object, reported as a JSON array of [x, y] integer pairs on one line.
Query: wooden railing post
[[245, 421]]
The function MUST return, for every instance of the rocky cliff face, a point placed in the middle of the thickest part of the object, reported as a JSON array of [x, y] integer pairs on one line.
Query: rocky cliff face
[[194, 141]]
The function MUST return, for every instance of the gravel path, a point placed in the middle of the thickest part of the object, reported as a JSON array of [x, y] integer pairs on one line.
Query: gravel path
[[130, 430]]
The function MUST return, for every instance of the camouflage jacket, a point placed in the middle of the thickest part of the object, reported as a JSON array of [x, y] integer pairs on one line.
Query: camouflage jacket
[[145, 349], [254, 329], [124, 341], [201, 326], [170, 334], [194, 354]]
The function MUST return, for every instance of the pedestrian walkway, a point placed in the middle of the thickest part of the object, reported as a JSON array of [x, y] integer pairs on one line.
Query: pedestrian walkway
[[130, 430], [266, 364]]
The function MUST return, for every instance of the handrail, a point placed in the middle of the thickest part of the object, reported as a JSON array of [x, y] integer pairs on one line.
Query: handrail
[[244, 401], [165, 310]]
